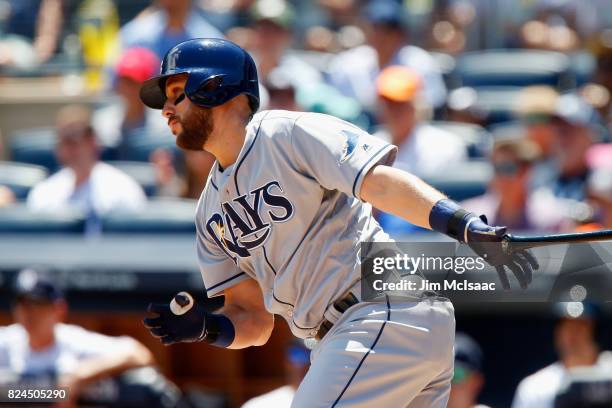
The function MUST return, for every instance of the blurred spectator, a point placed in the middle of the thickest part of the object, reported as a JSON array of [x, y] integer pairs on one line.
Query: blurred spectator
[[574, 122], [339, 12], [118, 123], [600, 184], [165, 24], [273, 21], [281, 91], [468, 379], [536, 106], [354, 71], [603, 73], [576, 346], [448, 31], [29, 31], [85, 183], [560, 25], [422, 149], [40, 351], [297, 362], [507, 200], [115, 123]]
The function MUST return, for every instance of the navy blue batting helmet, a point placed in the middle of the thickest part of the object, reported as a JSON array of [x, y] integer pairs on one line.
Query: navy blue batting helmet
[[217, 69]]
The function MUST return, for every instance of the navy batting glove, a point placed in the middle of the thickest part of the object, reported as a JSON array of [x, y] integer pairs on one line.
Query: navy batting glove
[[482, 238], [170, 328], [449, 218]]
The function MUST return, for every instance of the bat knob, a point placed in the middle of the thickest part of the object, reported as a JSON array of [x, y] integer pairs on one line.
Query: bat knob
[[181, 303]]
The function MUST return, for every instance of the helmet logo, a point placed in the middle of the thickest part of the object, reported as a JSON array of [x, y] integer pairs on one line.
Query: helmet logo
[[172, 59]]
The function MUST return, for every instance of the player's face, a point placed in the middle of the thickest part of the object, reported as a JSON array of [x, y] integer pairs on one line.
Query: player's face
[[191, 124]]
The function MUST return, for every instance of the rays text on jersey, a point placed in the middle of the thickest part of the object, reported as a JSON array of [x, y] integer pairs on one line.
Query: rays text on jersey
[[245, 222]]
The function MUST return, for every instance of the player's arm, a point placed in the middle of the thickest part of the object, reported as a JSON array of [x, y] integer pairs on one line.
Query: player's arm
[[244, 307], [242, 322], [402, 194]]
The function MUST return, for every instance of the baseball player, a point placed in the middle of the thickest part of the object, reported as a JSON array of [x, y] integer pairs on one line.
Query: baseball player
[[279, 227]]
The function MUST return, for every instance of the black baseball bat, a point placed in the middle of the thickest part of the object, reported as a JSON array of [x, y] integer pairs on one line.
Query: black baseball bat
[[552, 239]]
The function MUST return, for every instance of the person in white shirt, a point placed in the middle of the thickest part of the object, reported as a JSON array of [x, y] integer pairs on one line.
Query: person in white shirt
[[353, 72], [577, 348], [84, 184], [296, 365], [422, 149], [40, 350]]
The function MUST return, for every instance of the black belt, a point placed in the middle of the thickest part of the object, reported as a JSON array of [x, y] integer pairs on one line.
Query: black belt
[[341, 306]]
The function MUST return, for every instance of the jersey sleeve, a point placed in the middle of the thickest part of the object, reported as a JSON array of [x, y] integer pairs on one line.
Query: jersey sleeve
[[219, 270], [336, 153]]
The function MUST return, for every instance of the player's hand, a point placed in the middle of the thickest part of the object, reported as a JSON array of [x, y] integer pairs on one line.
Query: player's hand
[[181, 320], [482, 238]]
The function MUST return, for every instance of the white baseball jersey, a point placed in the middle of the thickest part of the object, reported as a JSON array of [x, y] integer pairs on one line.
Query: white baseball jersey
[[287, 213]]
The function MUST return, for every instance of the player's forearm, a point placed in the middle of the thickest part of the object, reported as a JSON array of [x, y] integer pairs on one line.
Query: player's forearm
[[252, 327], [400, 193]]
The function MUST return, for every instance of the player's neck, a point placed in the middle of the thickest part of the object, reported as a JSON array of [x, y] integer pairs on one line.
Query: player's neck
[[228, 137], [229, 149]]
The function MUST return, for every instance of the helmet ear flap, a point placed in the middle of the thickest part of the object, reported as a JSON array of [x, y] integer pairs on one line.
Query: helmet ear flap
[[208, 92], [211, 85]]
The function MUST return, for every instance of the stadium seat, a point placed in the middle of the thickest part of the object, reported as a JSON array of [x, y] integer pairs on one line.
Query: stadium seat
[[18, 219], [140, 145], [21, 177], [497, 103], [463, 180], [37, 146], [34, 146], [507, 67], [159, 216], [143, 173], [476, 138]]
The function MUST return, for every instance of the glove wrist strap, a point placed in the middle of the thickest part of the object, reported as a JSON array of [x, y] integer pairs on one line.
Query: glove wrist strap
[[449, 218], [218, 330]]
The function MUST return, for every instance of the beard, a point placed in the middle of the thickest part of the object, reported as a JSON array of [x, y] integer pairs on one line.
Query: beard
[[197, 126]]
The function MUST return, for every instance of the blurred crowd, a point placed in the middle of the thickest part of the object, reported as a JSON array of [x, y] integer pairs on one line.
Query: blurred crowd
[[506, 106]]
